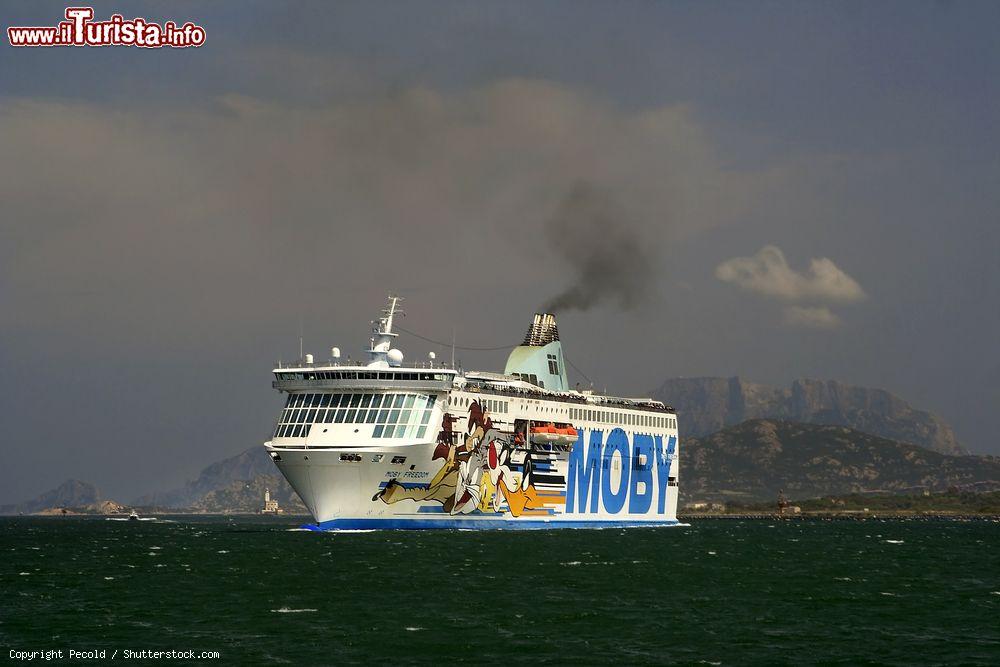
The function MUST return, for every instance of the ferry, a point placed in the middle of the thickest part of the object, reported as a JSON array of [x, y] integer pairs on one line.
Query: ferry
[[386, 445]]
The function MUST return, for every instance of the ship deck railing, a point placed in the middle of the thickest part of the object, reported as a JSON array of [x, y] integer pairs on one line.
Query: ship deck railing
[[574, 398], [339, 363]]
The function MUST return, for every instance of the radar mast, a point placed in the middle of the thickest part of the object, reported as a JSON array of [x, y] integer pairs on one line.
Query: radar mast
[[382, 353]]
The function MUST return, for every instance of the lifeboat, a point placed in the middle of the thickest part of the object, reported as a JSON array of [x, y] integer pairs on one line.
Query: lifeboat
[[549, 433]]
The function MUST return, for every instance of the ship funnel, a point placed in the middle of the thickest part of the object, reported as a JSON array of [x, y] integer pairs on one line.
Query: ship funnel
[[543, 330], [539, 358]]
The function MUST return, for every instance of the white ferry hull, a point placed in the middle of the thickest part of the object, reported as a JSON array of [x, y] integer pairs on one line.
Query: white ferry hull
[[595, 486]]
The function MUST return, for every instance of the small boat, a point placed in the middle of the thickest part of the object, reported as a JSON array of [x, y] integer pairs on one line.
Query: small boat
[[554, 434], [132, 516]]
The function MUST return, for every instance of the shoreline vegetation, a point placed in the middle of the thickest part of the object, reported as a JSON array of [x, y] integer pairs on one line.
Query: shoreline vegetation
[[153, 511], [951, 504]]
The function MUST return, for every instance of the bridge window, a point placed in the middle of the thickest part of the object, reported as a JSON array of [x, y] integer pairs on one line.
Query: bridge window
[[302, 410], [400, 423]]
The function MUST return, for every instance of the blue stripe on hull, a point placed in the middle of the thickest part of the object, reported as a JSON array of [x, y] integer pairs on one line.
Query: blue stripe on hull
[[476, 524]]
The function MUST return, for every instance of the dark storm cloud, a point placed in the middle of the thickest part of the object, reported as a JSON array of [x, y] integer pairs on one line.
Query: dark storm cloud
[[605, 252], [177, 206]]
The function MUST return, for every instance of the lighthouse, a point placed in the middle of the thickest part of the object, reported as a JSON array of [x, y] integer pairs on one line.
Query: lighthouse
[[270, 506]]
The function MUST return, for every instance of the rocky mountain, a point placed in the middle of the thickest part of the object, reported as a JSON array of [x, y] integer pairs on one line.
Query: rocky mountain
[[247, 496], [71, 493], [235, 484], [706, 405], [756, 459], [244, 466]]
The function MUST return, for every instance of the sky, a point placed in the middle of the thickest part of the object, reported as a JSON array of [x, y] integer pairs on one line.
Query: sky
[[766, 189]]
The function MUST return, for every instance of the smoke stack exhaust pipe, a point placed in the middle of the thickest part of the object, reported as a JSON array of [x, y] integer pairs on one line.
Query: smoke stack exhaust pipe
[[543, 330]]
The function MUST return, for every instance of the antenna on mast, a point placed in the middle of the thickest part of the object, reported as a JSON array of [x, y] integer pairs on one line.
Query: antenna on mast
[[390, 313], [382, 353]]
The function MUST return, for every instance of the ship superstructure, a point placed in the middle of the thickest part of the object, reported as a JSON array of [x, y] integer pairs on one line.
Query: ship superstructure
[[386, 445]]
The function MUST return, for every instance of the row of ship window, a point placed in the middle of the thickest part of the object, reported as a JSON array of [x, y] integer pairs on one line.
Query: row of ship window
[[377, 458], [358, 400], [490, 404], [583, 414], [380, 430], [623, 418], [360, 375], [407, 415], [393, 415]]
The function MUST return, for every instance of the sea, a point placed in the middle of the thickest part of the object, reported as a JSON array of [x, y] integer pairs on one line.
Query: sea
[[259, 590]]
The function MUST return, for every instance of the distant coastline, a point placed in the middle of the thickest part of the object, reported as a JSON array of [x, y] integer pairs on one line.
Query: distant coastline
[[952, 504]]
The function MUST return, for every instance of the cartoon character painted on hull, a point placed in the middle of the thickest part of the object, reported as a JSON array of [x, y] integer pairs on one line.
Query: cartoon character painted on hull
[[476, 474]]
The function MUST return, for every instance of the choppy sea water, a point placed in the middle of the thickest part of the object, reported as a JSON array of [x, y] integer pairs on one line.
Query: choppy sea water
[[724, 592]]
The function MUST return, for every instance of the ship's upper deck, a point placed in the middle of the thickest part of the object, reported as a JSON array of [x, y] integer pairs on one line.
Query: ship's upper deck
[[300, 376], [535, 369]]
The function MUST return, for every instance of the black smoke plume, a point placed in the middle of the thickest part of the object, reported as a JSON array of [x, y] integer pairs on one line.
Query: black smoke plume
[[609, 259]]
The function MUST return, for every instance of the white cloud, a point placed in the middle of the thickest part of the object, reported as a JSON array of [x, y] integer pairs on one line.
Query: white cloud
[[813, 317], [769, 274]]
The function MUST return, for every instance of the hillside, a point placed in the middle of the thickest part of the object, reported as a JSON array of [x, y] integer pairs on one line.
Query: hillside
[[248, 495], [706, 405], [246, 465], [235, 484], [71, 493], [754, 460]]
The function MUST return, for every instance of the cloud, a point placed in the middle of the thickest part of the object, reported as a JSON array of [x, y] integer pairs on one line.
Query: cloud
[[768, 273], [175, 218], [813, 317]]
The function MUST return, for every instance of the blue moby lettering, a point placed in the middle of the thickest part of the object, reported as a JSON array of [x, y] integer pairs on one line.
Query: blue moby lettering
[[614, 500], [642, 472], [585, 467], [590, 466], [663, 469]]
